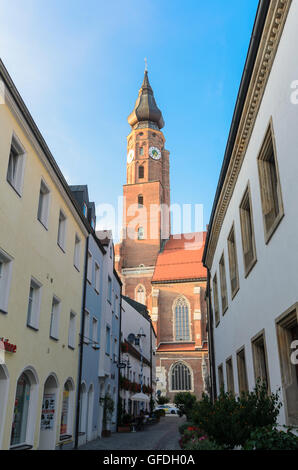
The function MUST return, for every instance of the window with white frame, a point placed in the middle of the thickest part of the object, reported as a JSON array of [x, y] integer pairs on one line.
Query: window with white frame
[[182, 327], [108, 340], [77, 252], [271, 197], [94, 329], [86, 327], [109, 289], [72, 330], [233, 262], [97, 277], [242, 372], [61, 240], [34, 304], [117, 306], [55, 318], [89, 267], [221, 383], [230, 376], [5, 280], [43, 204], [16, 164], [215, 300], [247, 230], [181, 378], [223, 284]]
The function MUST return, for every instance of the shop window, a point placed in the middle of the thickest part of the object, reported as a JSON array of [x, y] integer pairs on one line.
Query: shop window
[[21, 411], [67, 411]]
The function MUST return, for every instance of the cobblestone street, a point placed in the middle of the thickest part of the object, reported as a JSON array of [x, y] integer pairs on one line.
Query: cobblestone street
[[161, 436]]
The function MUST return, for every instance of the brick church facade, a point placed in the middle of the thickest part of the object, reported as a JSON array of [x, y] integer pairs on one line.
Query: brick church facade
[[162, 271]]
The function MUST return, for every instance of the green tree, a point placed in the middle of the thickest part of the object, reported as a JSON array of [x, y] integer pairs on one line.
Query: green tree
[[163, 400], [185, 401]]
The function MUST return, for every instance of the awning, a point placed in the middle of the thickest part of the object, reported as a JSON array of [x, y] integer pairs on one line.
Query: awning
[[140, 397]]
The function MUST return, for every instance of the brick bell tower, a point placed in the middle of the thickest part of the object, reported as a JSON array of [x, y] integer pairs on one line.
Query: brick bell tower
[[146, 218]]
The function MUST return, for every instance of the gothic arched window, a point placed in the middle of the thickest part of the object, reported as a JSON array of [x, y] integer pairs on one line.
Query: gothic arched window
[[182, 327], [181, 378], [141, 295], [141, 172]]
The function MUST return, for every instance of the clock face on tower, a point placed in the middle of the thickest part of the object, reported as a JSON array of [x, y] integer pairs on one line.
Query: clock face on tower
[[155, 153], [130, 156]]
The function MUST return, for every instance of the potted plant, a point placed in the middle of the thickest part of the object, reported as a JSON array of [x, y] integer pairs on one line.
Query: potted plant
[[125, 423], [108, 408]]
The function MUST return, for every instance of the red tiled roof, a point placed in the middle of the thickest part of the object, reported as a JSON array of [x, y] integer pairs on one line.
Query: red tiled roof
[[181, 258]]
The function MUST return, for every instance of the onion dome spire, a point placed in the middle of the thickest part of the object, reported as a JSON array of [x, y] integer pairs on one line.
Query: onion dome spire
[[146, 113]]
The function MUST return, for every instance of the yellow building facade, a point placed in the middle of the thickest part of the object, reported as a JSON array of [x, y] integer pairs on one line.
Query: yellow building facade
[[42, 256]]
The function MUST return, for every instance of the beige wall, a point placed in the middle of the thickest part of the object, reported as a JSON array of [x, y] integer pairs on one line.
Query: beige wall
[[35, 252]]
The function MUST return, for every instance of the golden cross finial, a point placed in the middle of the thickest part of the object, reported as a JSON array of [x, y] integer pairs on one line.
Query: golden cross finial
[[146, 65]]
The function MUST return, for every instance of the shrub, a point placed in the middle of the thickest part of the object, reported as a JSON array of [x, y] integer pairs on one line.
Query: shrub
[[270, 438], [203, 444], [191, 434], [184, 426], [229, 421], [185, 401]]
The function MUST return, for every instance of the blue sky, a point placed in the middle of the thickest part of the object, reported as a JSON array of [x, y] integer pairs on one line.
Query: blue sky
[[79, 65]]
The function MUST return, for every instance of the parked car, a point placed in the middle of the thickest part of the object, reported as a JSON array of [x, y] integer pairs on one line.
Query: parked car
[[169, 409]]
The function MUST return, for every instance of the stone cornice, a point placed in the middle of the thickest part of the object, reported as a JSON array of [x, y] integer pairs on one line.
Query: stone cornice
[[272, 32], [138, 271]]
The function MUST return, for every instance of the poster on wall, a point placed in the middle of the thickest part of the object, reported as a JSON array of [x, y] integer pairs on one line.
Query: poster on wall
[[48, 412]]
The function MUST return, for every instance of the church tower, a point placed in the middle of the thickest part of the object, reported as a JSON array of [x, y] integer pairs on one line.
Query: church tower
[[146, 218], [158, 269]]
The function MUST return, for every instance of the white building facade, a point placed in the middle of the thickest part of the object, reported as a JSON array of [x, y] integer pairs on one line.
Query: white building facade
[[138, 348], [108, 371], [252, 244]]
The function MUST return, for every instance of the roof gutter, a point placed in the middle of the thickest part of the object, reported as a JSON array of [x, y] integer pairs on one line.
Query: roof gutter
[[242, 94]]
